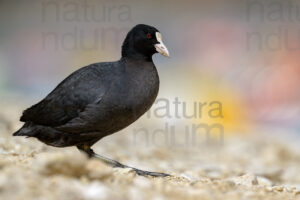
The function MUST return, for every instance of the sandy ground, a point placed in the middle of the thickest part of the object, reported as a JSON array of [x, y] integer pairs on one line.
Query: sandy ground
[[248, 167]]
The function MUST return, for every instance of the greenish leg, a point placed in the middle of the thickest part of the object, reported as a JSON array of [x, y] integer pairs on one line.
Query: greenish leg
[[113, 163]]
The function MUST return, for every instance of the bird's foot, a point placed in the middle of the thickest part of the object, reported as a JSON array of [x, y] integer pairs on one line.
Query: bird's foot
[[147, 173], [141, 172]]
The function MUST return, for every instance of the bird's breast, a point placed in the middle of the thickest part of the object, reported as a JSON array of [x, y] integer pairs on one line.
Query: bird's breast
[[138, 91], [131, 96]]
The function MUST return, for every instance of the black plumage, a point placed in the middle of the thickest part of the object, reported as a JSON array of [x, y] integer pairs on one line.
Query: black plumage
[[99, 99]]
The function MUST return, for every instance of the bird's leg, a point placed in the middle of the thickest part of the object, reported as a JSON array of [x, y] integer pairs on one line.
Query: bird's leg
[[92, 154], [114, 163]]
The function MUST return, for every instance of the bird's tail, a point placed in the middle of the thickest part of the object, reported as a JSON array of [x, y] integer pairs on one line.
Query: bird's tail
[[26, 130], [45, 134]]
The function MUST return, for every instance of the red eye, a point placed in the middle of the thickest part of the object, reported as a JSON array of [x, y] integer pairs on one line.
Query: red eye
[[148, 35]]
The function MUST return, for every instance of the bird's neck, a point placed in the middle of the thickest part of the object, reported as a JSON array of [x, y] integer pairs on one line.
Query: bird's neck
[[134, 55], [129, 52], [137, 63]]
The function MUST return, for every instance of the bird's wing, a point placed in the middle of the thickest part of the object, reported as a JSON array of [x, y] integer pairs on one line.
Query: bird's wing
[[87, 120], [68, 99]]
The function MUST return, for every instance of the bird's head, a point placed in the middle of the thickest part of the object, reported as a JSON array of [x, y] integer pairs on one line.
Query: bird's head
[[143, 41]]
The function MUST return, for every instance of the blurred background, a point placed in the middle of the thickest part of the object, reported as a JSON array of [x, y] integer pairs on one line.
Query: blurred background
[[234, 65], [227, 114]]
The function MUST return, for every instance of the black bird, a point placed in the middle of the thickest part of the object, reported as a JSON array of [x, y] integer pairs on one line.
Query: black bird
[[100, 99]]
